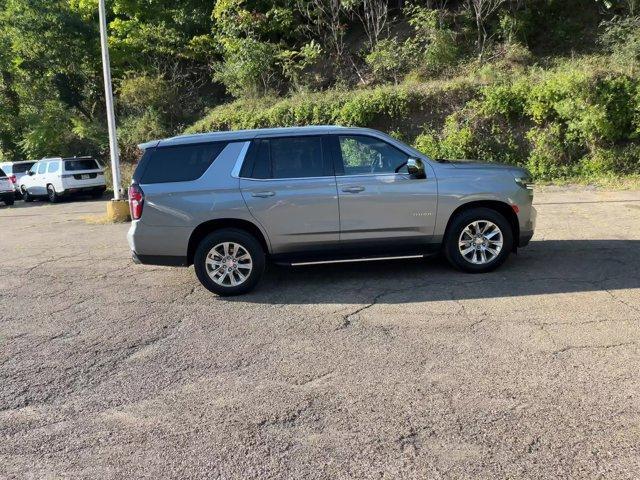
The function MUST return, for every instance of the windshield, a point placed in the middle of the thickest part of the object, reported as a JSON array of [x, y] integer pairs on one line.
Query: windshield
[[2, 174], [80, 164]]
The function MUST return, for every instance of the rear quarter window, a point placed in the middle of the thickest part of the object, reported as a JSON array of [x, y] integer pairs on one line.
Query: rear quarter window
[[80, 164], [180, 163], [22, 167]]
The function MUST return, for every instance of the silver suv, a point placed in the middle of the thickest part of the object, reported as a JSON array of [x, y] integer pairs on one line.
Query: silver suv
[[227, 202]]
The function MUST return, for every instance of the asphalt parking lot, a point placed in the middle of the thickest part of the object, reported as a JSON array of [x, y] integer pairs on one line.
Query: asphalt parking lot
[[388, 370]]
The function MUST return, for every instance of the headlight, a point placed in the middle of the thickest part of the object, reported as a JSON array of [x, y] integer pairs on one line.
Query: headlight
[[525, 182]]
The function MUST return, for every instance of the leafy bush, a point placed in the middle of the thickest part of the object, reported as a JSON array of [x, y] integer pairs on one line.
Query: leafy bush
[[621, 36], [389, 59], [433, 48], [456, 141], [620, 160], [248, 69], [550, 155]]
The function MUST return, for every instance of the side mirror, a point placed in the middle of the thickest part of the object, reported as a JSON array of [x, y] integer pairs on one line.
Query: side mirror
[[30, 172], [416, 168]]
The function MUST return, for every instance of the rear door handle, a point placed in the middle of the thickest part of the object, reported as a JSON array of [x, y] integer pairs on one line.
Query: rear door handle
[[354, 189], [263, 194]]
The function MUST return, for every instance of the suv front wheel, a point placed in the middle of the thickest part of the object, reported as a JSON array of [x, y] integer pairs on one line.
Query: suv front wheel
[[478, 240], [229, 262]]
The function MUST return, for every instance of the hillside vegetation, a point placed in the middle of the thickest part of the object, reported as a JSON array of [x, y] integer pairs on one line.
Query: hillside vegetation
[[550, 84]]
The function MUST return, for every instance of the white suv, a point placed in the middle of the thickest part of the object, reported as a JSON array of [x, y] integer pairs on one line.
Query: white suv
[[58, 177]]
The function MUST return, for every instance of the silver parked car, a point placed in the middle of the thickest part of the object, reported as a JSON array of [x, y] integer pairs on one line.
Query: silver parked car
[[227, 202], [7, 193]]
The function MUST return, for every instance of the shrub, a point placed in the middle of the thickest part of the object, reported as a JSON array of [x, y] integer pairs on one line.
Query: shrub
[[389, 59], [550, 156], [248, 68], [620, 160], [621, 36]]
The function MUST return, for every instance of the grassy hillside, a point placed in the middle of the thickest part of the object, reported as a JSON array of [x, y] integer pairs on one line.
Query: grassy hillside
[[570, 118]]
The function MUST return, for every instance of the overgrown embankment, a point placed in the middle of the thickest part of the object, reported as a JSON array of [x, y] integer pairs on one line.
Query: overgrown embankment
[[575, 119]]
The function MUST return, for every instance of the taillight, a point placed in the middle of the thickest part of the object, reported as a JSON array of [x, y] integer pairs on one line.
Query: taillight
[[12, 178], [136, 201]]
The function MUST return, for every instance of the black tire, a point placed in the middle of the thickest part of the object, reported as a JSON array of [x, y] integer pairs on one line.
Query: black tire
[[52, 195], [459, 223], [98, 194], [26, 196], [9, 201], [246, 241]]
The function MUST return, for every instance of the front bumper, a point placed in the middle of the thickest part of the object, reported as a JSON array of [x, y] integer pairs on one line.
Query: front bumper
[[528, 217]]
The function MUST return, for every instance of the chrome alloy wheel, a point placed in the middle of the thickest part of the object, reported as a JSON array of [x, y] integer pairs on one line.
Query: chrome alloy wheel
[[229, 264], [480, 242]]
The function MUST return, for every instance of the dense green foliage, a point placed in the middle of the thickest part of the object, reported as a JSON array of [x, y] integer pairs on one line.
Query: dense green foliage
[[551, 84]]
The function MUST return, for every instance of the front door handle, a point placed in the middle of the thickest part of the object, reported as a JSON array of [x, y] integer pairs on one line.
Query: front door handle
[[263, 194], [354, 189]]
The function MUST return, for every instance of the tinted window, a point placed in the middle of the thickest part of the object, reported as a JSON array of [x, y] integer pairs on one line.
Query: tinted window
[[80, 164], [53, 167], [258, 162], [21, 167], [296, 157], [181, 163], [361, 155], [42, 167]]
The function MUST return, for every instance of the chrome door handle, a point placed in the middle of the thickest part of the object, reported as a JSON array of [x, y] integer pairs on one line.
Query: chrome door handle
[[356, 189], [263, 194]]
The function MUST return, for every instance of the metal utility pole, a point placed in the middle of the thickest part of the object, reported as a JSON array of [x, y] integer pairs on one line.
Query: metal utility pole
[[108, 93]]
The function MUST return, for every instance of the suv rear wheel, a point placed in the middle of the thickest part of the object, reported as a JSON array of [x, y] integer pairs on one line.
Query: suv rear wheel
[[479, 240], [229, 262], [26, 196], [51, 194]]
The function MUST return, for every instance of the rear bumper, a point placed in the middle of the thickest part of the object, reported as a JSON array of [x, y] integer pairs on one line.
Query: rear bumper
[[4, 196], [84, 190], [164, 260]]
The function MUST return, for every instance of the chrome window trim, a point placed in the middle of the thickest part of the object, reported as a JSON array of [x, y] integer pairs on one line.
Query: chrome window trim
[[325, 176], [235, 171]]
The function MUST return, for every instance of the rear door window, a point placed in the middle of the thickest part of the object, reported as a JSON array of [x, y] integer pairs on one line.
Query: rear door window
[[296, 157], [79, 164], [180, 163], [53, 167], [290, 157], [42, 167]]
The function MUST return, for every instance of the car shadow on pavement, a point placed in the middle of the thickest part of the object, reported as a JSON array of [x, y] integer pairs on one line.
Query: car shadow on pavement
[[544, 267]]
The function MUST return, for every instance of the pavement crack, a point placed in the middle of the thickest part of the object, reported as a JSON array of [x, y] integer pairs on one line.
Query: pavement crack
[[585, 347], [49, 260], [347, 319]]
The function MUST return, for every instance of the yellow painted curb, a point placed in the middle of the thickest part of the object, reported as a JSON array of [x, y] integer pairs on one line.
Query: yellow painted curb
[[118, 211]]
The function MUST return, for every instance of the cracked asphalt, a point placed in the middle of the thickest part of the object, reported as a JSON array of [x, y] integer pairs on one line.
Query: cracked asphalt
[[389, 370]]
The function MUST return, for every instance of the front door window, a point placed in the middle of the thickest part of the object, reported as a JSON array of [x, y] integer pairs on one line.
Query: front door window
[[368, 155]]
